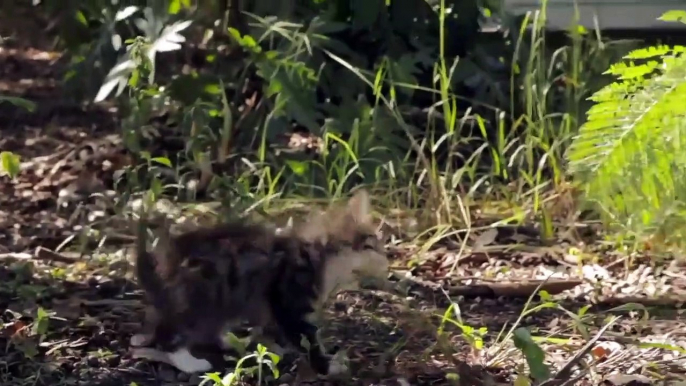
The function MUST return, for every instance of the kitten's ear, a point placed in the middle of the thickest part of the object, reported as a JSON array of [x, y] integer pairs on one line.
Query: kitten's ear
[[359, 207], [286, 228]]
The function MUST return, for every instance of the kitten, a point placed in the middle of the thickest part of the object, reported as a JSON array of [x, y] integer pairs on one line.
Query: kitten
[[202, 282]]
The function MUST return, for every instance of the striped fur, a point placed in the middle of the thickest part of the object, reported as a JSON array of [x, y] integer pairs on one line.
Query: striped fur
[[201, 283]]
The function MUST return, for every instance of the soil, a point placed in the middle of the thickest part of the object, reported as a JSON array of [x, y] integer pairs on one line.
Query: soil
[[68, 316]]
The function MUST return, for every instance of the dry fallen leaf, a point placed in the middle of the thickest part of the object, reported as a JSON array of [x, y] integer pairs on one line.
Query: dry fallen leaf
[[604, 350]]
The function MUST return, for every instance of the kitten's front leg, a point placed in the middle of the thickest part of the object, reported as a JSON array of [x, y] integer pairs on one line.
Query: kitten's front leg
[[295, 327], [156, 332], [149, 325]]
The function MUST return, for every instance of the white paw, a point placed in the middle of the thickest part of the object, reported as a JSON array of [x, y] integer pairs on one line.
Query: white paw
[[150, 354], [338, 366], [139, 340], [184, 361], [181, 359]]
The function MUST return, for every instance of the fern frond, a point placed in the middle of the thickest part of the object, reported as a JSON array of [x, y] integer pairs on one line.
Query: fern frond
[[629, 153]]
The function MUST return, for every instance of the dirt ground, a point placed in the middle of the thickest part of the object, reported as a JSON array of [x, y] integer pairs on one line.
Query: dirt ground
[[67, 318]]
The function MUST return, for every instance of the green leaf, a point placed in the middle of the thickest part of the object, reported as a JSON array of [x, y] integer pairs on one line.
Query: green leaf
[[163, 161], [298, 167], [156, 188], [40, 324], [235, 34], [629, 156], [674, 15], [229, 378], [236, 343], [211, 377], [20, 102], [81, 18], [274, 358], [10, 163], [174, 7], [249, 42], [533, 353]]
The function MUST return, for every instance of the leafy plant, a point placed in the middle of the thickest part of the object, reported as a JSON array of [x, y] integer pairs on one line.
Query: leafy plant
[[10, 163], [261, 356], [630, 154]]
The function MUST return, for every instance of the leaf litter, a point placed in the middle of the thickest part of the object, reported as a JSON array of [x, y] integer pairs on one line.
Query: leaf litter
[[462, 316]]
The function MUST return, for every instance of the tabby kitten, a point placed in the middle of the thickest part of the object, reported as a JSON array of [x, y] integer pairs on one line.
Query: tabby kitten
[[202, 282]]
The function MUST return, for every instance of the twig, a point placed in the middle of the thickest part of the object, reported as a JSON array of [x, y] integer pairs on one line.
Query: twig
[[40, 254], [111, 302], [565, 371], [16, 256], [48, 255]]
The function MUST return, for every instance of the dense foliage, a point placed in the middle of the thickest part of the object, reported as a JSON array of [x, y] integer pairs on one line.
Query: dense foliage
[[313, 95], [245, 101], [629, 152]]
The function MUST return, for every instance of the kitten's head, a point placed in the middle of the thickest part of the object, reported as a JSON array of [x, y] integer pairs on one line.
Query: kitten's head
[[357, 249]]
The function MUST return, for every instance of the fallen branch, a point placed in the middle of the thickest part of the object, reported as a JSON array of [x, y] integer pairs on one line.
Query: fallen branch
[[514, 289], [663, 300]]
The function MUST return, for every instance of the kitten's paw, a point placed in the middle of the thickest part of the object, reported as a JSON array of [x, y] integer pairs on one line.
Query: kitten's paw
[[183, 360], [339, 365], [139, 340]]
